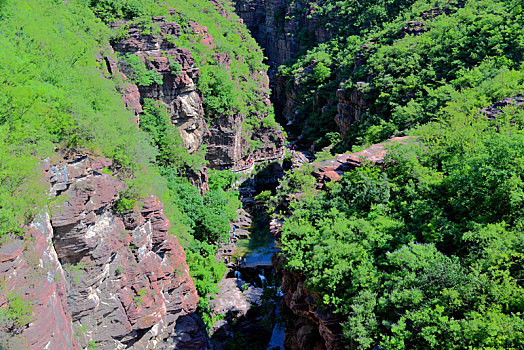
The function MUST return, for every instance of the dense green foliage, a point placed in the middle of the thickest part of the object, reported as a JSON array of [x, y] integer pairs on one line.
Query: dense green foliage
[[404, 77], [208, 215], [427, 252], [54, 99]]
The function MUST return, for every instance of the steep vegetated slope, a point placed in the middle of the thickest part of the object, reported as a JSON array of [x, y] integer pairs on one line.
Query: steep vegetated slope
[[372, 69], [421, 247], [231, 76], [107, 109]]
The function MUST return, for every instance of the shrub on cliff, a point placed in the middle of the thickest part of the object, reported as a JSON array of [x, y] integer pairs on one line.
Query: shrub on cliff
[[220, 94], [155, 121], [16, 314], [139, 73]]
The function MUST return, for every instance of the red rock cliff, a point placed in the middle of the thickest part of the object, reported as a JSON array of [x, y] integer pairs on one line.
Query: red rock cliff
[[227, 142], [120, 281]]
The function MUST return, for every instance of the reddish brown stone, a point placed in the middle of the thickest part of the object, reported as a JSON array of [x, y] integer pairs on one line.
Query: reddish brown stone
[[332, 170], [117, 279], [205, 38]]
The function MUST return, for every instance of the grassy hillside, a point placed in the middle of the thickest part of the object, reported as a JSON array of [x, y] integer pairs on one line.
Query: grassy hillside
[[54, 99]]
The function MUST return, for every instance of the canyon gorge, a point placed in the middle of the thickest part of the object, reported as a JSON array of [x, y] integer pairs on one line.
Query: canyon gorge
[[261, 174]]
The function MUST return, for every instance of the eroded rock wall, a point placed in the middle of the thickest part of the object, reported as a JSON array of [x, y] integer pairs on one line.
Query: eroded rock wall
[[283, 28], [29, 267], [178, 89], [227, 141], [308, 328], [275, 25], [266, 21], [120, 281]]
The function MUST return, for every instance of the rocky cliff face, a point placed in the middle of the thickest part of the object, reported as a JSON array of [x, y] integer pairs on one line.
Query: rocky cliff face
[[307, 328], [333, 169], [497, 109], [178, 91], [30, 268], [276, 31], [119, 281], [228, 145], [351, 105], [266, 21]]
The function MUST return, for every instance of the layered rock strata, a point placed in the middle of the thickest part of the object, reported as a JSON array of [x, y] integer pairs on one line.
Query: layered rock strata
[[178, 90], [90, 275], [275, 25], [228, 144]]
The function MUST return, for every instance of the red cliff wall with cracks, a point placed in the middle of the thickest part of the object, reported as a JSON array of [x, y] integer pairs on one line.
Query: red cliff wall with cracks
[[227, 143], [121, 281]]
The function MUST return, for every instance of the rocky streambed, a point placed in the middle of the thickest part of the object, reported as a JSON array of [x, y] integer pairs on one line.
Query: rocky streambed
[[246, 306]]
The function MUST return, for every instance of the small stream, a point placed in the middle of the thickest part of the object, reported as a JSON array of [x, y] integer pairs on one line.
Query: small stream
[[260, 256], [256, 254], [278, 335]]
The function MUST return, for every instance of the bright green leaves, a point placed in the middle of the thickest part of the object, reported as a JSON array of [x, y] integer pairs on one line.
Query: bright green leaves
[[16, 314], [413, 255], [320, 73], [209, 216], [363, 188], [174, 67], [404, 78], [139, 73], [219, 90], [111, 10]]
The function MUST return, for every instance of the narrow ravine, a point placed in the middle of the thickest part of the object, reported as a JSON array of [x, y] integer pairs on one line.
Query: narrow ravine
[[249, 295]]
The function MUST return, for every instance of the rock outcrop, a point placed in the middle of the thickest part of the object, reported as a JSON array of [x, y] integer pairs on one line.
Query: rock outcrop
[[29, 268], [118, 281], [228, 144], [332, 170], [496, 109], [240, 304], [266, 21], [275, 25], [350, 107], [179, 77], [307, 328]]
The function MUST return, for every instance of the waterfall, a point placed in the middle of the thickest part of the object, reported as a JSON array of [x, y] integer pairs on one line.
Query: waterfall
[[262, 278]]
